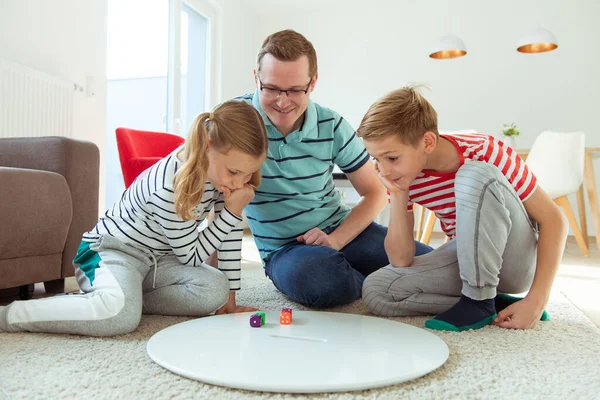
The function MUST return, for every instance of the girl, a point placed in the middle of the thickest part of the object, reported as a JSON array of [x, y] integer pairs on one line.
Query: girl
[[147, 254]]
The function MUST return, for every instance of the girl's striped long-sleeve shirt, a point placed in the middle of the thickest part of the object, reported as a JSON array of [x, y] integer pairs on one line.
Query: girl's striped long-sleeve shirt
[[145, 218]]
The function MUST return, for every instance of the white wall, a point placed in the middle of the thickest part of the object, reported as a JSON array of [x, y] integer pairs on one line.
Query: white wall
[[366, 51], [66, 38], [240, 43]]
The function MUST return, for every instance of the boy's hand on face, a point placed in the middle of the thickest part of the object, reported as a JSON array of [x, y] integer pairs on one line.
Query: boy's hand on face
[[318, 238], [392, 187], [523, 314], [236, 200]]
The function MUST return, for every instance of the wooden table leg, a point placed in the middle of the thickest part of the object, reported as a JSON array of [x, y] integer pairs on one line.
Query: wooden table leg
[[582, 216], [564, 203], [429, 225], [420, 213], [590, 183]]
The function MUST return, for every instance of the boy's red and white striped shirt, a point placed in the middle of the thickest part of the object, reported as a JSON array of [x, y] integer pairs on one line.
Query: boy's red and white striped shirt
[[435, 190]]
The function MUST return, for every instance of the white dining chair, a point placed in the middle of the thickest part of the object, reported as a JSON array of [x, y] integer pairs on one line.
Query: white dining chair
[[557, 160]]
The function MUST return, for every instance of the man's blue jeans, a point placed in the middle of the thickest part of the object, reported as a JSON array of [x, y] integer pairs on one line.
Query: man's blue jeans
[[320, 277]]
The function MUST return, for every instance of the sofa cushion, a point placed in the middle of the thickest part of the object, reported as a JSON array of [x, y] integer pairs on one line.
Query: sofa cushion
[[36, 212], [40, 153]]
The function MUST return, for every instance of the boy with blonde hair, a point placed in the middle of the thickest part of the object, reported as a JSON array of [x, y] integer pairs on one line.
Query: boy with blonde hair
[[507, 234]]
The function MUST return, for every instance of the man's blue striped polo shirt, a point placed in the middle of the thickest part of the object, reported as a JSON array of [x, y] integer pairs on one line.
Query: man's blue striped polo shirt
[[297, 191]]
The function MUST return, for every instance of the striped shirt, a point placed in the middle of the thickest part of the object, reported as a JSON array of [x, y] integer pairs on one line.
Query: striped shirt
[[145, 218], [297, 191], [435, 190]]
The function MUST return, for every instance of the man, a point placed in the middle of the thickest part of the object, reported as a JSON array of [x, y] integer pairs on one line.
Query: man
[[315, 249]]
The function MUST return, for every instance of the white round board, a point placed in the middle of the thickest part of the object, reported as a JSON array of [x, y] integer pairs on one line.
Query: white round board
[[318, 352]]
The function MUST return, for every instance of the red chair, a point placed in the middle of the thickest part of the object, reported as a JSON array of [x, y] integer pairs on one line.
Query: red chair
[[139, 150]]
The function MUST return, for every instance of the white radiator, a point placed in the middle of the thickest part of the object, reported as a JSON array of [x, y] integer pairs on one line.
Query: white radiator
[[34, 103]]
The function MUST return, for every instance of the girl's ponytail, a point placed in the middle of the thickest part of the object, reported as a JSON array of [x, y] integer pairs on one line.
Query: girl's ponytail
[[190, 179]]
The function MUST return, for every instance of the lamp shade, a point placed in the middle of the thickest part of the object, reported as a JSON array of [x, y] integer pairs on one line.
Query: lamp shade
[[537, 41], [448, 46]]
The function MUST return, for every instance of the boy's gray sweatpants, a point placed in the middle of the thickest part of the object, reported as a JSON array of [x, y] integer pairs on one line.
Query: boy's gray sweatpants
[[494, 250], [123, 288]]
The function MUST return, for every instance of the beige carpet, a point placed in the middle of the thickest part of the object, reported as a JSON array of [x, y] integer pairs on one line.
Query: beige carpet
[[559, 359]]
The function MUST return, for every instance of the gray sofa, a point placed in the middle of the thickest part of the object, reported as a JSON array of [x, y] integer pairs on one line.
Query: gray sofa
[[48, 198]]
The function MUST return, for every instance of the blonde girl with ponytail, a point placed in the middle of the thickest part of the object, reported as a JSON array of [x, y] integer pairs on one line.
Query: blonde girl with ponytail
[[149, 252]]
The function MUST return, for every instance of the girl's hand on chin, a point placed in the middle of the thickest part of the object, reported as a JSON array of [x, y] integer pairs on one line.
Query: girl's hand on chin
[[236, 200]]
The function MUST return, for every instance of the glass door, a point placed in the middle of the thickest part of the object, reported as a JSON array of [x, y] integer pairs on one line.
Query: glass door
[[161, 62], [190, 62]]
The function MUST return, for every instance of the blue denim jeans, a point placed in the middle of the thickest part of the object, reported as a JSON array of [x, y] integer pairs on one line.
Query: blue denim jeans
[[320, 277]]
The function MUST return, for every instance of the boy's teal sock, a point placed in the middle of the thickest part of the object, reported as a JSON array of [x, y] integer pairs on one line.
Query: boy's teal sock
[[504, 300], [464, 315]]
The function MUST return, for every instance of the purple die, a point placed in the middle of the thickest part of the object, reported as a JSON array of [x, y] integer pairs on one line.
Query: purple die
[[255, 321], [286, 309]]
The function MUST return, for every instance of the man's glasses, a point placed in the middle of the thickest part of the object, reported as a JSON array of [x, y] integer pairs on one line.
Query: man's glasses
[[271, 93]]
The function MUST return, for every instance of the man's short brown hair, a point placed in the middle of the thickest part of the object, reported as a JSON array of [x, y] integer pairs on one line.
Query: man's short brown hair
[[289, 45], [403, 112]]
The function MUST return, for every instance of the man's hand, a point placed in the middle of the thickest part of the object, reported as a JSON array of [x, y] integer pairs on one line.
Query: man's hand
[[524, 314], [231, 308], [319, 238]]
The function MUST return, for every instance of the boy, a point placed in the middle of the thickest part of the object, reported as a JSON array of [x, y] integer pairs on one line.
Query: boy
[[487, 201]]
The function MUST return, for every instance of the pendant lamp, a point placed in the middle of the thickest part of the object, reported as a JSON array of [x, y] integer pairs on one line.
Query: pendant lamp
[[537, 41], [449, 46]]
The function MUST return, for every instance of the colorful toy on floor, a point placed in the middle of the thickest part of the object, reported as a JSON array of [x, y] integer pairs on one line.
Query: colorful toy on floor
[[285, 318], [255, 321], [259, 318]]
